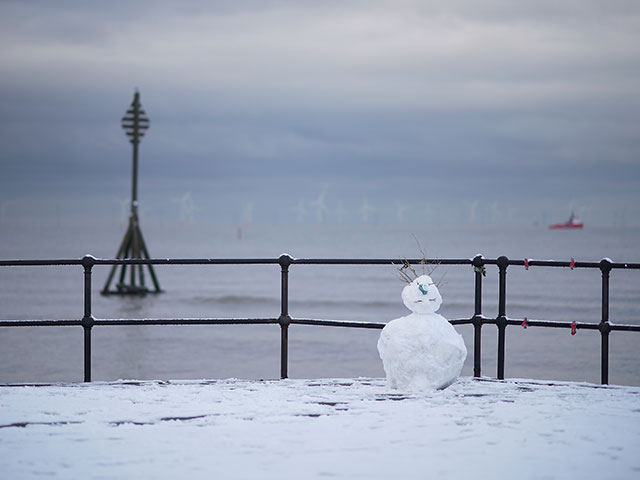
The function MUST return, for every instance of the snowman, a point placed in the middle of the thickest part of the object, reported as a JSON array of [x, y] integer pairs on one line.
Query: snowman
[[421, 351]]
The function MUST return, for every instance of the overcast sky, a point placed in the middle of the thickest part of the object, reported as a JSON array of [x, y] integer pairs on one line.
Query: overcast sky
[[457, 111]]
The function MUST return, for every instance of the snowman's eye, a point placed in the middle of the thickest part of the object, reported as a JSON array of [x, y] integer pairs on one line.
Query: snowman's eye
[[423, 289]]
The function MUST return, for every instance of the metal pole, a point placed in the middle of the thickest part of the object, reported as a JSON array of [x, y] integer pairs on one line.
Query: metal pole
[[605, 326], [87, 319], [123, 271], [134, 232], [135, 140], [501, 321], [145, 251], [284, 320], [121, 254], [478, 266]]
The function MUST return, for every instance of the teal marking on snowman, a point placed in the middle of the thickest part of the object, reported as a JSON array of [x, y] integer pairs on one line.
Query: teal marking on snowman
[[423, 289]]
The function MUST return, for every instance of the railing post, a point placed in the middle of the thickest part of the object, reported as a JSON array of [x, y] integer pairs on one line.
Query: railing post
[[501, 321], [87, 319], [478, 268], [605, 326], [284, 320]]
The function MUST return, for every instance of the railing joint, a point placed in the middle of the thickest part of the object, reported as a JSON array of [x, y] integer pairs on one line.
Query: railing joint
[[284, 320], [88, 261], [606, 265], [604, 327], [502, 262], [285, 260], [478, 261], [88, 322]]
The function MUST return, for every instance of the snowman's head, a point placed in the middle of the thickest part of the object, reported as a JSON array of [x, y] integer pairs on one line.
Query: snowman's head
[[422, 295]]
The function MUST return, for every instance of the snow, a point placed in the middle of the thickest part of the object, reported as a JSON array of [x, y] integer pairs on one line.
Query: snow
[[346, 428], [421, 351]]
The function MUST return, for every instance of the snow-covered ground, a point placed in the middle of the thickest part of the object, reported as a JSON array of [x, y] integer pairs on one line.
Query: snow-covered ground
[[299, 429]]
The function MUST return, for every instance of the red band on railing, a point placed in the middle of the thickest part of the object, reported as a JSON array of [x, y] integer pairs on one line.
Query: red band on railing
[[574, 328], [526, 264], [572, 264], [524, 323]]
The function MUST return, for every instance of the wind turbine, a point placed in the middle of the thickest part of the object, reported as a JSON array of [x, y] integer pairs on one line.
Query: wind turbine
[[300, 211], [622, 216], [494, 213], [187, 208], [473, 207], [510, 214], [365, 210], [123, 203], [428, 214], [320, 207], [401, 209]]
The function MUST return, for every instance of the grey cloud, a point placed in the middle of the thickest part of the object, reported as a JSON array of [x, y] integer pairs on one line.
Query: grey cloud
[[326, 91]]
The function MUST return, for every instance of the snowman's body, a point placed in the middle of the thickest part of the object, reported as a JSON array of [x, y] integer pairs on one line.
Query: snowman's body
[[421, 351]]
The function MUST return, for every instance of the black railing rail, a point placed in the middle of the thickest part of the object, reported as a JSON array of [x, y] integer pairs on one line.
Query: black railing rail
[[284, 320]]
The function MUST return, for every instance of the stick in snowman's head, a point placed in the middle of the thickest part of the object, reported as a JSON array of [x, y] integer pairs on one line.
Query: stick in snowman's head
[[421, 295]]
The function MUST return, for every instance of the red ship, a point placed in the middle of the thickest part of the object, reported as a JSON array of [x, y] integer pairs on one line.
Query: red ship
[[573, 222]]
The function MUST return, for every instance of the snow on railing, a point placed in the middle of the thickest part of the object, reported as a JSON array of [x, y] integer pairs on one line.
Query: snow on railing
[[88, 321]]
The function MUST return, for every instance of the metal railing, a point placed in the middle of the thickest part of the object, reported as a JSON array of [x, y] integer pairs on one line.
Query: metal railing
[[284, 320]]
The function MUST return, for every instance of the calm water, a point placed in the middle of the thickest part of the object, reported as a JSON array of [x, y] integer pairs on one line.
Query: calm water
[[355, 292]]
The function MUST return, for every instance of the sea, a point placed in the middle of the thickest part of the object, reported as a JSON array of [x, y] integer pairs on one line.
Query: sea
[[364, 293]]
